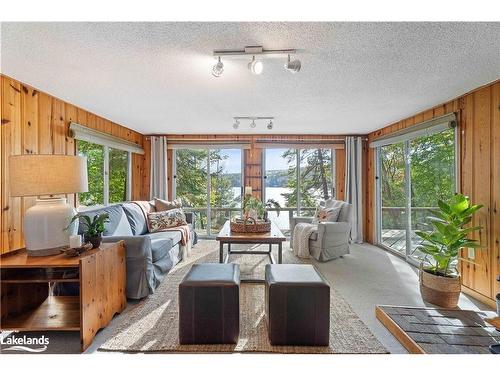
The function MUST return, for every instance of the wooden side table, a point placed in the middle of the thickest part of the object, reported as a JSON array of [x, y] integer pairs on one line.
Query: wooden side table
[[26, 304]]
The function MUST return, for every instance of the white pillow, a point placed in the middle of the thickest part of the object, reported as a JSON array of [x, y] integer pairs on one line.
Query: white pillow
[[324, 214]]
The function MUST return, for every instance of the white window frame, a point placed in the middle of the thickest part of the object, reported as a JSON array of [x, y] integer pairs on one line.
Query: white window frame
[[105, 171]]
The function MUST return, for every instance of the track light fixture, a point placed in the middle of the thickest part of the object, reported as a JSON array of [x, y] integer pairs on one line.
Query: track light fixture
[[218, 69], [253, 121], [255, 66], [293, 66]]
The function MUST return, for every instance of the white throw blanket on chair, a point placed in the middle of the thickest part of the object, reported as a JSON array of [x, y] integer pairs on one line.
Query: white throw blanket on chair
[[301, 234]]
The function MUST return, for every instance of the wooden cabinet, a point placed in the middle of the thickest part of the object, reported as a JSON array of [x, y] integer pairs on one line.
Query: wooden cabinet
[[28, 305]]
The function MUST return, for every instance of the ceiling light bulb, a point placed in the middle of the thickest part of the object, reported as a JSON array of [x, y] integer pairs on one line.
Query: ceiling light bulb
[[218, 69], [293, 66], [236, 124], [270, 125], [253, 124], [255, 66]]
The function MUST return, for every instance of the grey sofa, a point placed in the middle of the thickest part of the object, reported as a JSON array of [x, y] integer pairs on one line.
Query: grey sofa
[[331, 239], [149, 256]]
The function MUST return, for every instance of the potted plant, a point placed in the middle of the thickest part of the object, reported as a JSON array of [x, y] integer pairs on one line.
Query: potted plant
[[94, 227], [253, 207], [439, 278]]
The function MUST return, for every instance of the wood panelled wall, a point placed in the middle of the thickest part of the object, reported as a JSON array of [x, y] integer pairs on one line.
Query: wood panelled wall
[[33, 122], [478, 114], [253, 157]]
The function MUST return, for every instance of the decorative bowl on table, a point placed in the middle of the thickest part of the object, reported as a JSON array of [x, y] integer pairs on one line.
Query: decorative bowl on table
[[250, 225], [76, 251]]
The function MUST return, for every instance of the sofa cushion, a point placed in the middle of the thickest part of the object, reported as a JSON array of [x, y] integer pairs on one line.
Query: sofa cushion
[[174, 236], [160, 246], [159, 221], [163, 205], [136, 218], [324, 214], [118, 224]]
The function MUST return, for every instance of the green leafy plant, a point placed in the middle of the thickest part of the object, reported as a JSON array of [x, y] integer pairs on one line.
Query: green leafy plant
[[449, 235], [93, 226], [252, 203]]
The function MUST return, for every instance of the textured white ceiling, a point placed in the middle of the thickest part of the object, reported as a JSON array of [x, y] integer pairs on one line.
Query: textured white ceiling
[[155, 77]]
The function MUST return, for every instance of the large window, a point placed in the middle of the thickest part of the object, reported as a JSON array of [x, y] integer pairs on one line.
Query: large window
[[299, 179], [412, 176], [209, 183], [108, 174]]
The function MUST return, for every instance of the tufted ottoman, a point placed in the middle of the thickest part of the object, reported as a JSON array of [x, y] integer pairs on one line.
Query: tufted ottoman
[[297, 305], [209, 304]]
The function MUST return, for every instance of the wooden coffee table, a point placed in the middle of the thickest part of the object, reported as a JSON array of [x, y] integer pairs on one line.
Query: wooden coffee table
[[274, 237]]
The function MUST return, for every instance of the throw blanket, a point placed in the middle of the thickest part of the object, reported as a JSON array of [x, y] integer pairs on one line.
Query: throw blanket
[[185, 239], [301, 234]]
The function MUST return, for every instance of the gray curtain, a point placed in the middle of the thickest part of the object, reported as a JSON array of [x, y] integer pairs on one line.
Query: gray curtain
[[158, 186], [353, 184]]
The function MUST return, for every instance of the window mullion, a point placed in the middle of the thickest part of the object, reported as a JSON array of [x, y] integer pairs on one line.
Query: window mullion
[[106, 175], [209, 187], [297, 166]]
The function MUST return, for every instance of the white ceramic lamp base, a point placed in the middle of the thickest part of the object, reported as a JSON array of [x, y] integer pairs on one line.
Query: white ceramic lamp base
[[44, 225]]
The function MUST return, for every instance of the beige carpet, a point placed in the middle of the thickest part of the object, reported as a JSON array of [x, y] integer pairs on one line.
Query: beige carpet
[[152, 324]]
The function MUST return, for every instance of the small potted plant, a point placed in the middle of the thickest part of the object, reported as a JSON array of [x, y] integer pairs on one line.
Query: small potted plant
[[94, 227], [439, 278]]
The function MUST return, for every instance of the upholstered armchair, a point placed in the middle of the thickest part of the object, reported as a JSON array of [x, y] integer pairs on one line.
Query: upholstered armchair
[[331, 239]]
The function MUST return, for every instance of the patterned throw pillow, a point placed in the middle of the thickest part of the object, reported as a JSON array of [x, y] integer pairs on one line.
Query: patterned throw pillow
[[163, 205], [159, 221], [323, 214]]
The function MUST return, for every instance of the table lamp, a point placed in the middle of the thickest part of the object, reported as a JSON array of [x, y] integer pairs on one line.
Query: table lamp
[[44, 176]]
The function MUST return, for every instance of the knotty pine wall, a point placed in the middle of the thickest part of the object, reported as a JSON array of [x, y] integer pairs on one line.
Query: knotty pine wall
[[33, 122], [478, 114]]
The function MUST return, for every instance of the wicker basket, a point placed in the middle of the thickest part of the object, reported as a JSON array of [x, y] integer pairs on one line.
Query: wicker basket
[[250, 225], [438, 290]]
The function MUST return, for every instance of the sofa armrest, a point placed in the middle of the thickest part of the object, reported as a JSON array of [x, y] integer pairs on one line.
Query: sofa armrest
[[298, 219], [338, 232], [139, 261]]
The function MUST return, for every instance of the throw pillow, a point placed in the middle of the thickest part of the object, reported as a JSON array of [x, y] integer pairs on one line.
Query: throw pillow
[[323, 214], [163, 205], [159, 221]]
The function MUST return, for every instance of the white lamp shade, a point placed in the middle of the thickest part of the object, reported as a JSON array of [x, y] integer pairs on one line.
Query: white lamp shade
[[35, 175]]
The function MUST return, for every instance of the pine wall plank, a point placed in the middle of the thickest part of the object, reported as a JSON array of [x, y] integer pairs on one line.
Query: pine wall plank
[[34, 122]]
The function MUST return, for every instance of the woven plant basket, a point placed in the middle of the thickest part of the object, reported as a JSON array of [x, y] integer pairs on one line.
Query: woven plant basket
[[250, 225], [439, 290]]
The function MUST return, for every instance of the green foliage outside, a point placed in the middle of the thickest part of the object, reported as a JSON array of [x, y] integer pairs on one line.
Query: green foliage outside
[[316, 179], [192, 179], [118, 167], [432, 173], [95, 173]]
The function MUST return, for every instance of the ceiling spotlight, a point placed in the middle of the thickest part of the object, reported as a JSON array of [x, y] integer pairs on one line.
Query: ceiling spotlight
[[236, 124], [270, 125], [255, 66], [218, 69], [253, 124], [293, 66]]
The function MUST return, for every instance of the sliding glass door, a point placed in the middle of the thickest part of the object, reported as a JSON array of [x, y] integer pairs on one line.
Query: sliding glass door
[[299, 179], [412, 176], [209, 183]]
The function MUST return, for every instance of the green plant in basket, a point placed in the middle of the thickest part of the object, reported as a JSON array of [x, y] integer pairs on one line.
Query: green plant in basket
[[449, 234]]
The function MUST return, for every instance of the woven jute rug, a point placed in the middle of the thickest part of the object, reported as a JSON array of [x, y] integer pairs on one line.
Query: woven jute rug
[[151, 325]]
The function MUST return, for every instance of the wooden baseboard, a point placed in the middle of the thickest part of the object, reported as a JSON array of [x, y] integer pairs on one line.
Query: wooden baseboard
[[480, 297]]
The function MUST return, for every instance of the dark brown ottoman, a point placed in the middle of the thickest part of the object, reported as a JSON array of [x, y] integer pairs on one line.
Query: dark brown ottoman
[[209, 304], [297, 305]]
